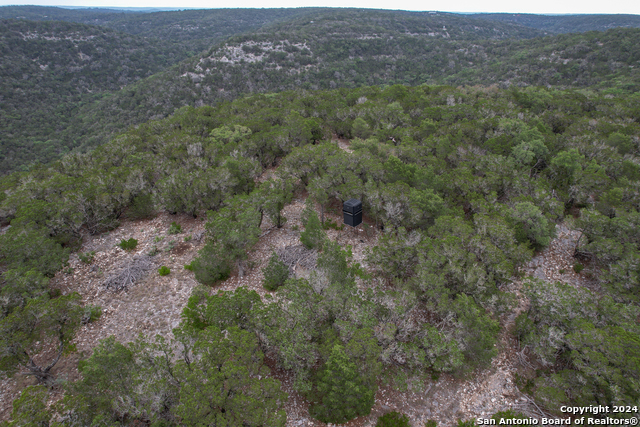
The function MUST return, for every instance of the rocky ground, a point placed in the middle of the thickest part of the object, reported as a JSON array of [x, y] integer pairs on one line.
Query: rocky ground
[[153, 305]]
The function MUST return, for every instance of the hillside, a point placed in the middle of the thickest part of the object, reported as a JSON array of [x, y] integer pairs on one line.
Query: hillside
[[49, 69], [565, 23], [68, 113], [196, 30], [495, 268], [342, 51], [296, 48]]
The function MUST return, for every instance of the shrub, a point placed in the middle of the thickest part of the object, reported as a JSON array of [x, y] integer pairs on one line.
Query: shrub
[[128, 245], [313, 236], [175, 228], [430, 423], [393, 419], [275, 273], [333, 225], [209, 270], [342, 393], [141, 207], [87, 257], [91, 313], [577, 267], [164, 270]]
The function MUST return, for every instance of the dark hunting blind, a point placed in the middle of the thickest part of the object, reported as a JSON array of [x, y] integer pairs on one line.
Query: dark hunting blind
[[352, 211]]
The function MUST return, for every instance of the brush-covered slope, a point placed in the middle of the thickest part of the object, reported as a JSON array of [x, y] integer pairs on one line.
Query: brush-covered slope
[[197, 30], [314, 48], [565, 23], [288, 57], [49, 69]]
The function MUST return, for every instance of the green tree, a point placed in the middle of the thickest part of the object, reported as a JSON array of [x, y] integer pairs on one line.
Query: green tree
[[275, 273], [30, 408], [141, 207], [532, 225], [292, 326], [19, 287], [393, 419], [313, 236], [107, 390], [565, 167], [273, 196], [231, 231], [589, 345], [24, 333], [622, 142], [29, 247], [360, 128], [342, 393], [225, 383]]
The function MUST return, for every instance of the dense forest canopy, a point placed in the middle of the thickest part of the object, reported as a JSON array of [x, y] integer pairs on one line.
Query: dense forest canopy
[[196, 30], [565, 23], [50, 69], [312, 49], [468, 183]]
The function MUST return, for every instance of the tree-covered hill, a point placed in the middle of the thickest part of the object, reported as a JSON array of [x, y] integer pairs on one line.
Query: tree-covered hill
[[324, 54], [49, 69], [565, 23], [467, 184], [197, 30], [330, 48]]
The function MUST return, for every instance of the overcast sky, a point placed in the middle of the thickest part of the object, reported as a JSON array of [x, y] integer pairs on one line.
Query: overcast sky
[[536, 6]]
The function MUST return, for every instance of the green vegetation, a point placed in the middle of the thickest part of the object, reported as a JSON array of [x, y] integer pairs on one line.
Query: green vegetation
[[193, 30], [594, 342], [51, 69], [342, 393], [565, 23], [87, 257], [96, 88], [24, 332], [164, 271], [313, 236], [128, 245], [393, 419], [175, 228], [465, 185], [507, 415], [91, 313], [275, 273], [157, 381]]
